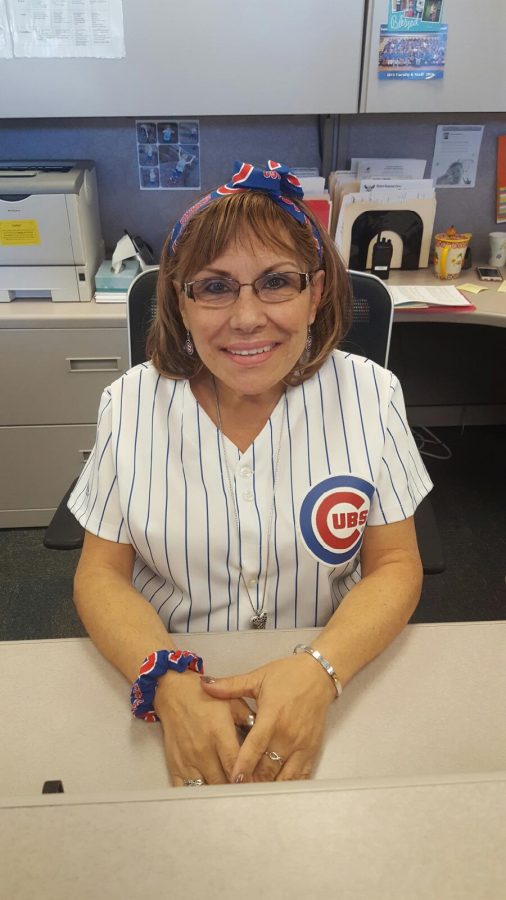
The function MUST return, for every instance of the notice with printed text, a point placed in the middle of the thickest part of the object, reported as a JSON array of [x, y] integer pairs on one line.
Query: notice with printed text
[[67, 28], [5, 34]]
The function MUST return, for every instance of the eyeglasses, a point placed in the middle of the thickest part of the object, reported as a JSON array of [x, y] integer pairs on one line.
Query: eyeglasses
[[220, 292]]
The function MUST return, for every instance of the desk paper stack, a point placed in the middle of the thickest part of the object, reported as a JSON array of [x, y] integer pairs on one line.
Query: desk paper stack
[[381, 185], [444, 297], [110, 296]]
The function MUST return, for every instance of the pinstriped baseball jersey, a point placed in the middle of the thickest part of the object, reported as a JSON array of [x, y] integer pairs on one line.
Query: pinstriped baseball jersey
[[157, 479]]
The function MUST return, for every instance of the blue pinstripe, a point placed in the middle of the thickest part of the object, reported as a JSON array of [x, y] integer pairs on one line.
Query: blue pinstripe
[[227, 558], [296, 597], [207, 520], [151, 472]]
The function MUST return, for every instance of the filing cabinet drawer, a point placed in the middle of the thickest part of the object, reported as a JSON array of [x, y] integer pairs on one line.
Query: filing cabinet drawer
[[56, 376], [38, 464]]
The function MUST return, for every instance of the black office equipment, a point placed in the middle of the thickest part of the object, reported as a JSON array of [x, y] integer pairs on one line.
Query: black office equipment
[[369, 335]]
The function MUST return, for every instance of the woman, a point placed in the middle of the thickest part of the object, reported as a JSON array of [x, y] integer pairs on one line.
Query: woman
[[248, 476]]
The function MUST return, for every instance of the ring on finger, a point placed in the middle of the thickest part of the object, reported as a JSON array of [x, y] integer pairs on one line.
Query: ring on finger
[[193, 782], [275, 757], [246, 726]]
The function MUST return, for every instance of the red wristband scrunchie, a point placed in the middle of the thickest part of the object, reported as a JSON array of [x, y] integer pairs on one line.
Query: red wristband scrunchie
[[153, 667]]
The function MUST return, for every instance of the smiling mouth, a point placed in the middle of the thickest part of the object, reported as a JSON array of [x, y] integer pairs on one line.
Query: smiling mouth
[[255, 351]]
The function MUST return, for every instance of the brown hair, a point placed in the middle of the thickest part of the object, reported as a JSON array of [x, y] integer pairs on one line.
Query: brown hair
[[207, 235]]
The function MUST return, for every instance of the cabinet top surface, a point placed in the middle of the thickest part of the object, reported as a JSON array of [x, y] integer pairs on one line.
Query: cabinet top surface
[[48, 314]]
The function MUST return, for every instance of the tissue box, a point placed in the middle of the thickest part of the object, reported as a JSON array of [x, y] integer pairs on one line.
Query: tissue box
[[106, 280]]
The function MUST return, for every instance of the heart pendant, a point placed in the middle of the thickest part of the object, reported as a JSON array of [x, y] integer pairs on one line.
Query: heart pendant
[[259, 620]]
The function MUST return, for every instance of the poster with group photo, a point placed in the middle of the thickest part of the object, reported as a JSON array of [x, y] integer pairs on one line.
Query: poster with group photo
[[419, 56], [168, 153]]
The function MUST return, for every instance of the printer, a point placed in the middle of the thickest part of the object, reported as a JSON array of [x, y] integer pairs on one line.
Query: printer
[[50, 239]]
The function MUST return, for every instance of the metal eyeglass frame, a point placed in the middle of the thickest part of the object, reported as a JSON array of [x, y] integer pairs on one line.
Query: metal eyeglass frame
[[305, 281]]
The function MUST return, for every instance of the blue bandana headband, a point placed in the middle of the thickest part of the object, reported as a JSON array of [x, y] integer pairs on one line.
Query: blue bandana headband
[[277, 181]]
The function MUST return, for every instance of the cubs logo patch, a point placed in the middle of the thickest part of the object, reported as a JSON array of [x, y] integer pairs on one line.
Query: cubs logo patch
[[333, 516]]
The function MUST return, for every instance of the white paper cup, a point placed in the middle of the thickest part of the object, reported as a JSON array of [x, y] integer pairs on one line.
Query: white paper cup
[[497, 240]]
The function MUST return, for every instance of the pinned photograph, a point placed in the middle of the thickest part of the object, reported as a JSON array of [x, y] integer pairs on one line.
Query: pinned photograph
[[146, 133], [168, 133], [189, 132], [149, 177], [433, 10], [148, 155], [179, 166]]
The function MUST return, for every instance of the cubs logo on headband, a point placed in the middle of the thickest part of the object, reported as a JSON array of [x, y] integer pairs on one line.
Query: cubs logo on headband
[[283, 187], [333, 516]]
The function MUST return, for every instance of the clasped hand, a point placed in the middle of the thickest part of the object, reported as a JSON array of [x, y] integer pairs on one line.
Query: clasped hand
[[199, 718]]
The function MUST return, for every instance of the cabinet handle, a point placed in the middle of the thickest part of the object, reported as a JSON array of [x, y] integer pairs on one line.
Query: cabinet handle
[[94, 364]]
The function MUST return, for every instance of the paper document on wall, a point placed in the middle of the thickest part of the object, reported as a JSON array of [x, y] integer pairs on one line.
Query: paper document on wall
[[411, 297], [67, 28], [5, 34], [456, 154]]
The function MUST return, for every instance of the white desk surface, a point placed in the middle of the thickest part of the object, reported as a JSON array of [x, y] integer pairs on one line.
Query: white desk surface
[[432, 704], [408, 802], [490, 304]]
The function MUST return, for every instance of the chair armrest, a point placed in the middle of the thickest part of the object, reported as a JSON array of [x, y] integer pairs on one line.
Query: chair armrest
[[429, 541], [64, 531]]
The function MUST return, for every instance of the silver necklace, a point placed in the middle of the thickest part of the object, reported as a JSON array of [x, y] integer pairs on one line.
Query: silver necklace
[[259, 618]]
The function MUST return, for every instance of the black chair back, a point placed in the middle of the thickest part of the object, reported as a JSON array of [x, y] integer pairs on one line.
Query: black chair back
[[141, 308], [373, 312]]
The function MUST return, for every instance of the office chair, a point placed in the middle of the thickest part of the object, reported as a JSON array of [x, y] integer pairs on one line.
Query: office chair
[[369, 335]]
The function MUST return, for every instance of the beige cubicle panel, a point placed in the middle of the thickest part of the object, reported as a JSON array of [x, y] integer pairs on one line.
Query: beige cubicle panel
[[431, 705], [475, 70], [204, 59]]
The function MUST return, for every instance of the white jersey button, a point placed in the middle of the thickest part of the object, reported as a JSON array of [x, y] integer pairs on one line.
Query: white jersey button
[[245, 472], [248, 495]]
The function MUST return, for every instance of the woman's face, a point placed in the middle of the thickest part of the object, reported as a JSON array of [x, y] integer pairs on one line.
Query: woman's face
[[251, 346]]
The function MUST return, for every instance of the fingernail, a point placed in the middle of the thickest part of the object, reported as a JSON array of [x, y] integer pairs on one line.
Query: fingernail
[[239, 778], [207, 679]]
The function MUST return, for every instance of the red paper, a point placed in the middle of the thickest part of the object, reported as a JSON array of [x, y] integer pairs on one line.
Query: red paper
[[321, 208]]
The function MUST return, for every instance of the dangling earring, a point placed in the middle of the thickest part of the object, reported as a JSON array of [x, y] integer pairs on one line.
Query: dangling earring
[[189, 349], [309, 340]]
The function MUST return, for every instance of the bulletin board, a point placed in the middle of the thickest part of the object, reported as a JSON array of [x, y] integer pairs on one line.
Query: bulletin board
[[200, 58]]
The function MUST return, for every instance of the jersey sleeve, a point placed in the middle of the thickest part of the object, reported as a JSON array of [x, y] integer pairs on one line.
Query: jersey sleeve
[[95, 499], [402, 481]]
